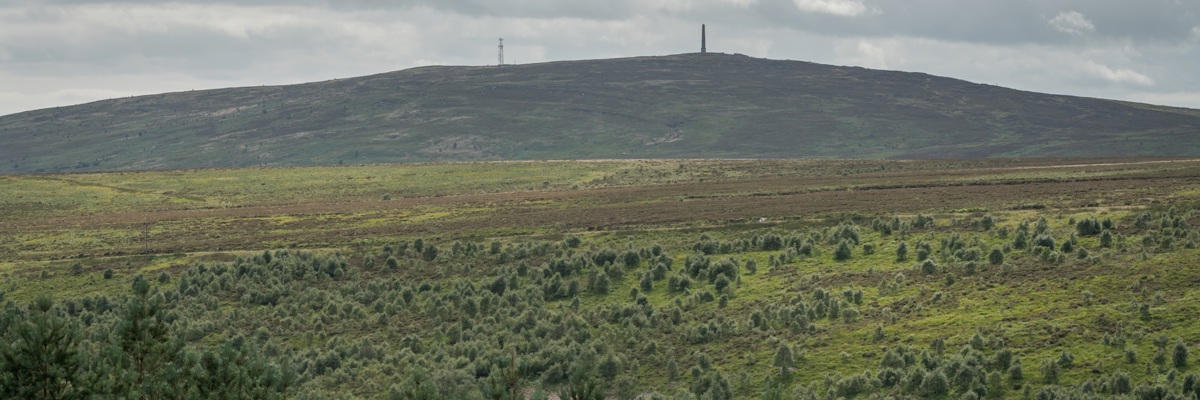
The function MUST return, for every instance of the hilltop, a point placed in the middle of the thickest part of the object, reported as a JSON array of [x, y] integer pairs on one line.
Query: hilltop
[[678, 106]]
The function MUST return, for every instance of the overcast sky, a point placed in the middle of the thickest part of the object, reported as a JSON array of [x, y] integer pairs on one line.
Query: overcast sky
[[63, 52]]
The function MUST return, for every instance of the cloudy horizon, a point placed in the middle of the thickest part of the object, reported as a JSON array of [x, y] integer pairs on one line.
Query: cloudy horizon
[[66, 52]]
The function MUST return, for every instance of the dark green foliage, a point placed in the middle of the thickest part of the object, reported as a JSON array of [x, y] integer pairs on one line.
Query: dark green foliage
[[467, 326], [1050, 370], [631, 259], [1120, 383], [601, 284], [784, 360], [1066, 359], [659, 272], [1089, 227], [721, 283], [430, 253], [1003, 359], [1042, 226], [1021, 240], [986, 223], [935, 383], [843, 251], [922, 221], [1179, 355], [108, 273], [970, 268], [902, 251], [976, 342], [1016, 372], [1150, 392], [609, 368], [1044, 240], [968, 254], [40, 355], [770, 242], [853, 385], [418, 386], [1106, 239], [1191, 384], [146, 348], [1143, 220], [923, 251], [929, 267], [582, 383], [938, 346], [712, 385], [996, 256], [43, 356]]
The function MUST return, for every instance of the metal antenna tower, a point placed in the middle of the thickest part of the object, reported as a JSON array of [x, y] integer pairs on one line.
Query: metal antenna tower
[[500, 54]]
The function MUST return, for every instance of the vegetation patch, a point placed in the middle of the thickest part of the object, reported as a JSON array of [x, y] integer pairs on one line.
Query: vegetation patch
[[922, 290]]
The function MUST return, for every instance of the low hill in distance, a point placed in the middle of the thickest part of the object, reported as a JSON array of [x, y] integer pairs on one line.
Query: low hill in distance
[[679, 106]]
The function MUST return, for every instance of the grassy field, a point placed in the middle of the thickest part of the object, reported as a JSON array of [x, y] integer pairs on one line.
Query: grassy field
[[326, 268]]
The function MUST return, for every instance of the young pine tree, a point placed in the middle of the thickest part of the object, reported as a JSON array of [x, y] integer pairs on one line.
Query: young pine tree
[[144, 350], [784, 360], [39, 355]]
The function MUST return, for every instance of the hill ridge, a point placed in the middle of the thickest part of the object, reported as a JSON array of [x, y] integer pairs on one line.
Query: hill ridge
[[676, 106]]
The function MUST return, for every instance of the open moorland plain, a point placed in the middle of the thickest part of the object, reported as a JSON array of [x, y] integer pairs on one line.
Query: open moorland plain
[[712, 279]]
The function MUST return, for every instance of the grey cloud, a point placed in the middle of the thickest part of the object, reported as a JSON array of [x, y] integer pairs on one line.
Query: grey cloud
[[1008, 21], [1007, 42]]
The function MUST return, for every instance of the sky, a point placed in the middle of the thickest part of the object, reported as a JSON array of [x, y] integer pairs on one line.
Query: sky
[[65, 52]]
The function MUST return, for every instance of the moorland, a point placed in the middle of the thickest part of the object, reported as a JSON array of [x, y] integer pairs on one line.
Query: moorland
[[676, 106], [994, 278]]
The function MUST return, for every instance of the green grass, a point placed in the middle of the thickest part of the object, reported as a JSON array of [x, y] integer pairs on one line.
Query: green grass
[[128, 222]]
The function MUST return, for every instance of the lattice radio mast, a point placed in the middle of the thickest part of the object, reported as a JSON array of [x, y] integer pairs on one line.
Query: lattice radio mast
[[500, 54]]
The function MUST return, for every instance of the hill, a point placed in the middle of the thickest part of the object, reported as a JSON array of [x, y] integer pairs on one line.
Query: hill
[[679, 106]]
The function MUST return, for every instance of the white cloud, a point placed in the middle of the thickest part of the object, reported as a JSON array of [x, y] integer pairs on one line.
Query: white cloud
[[754, 46], [1072, 23], [1180, 99], [865, 53], [1116, 75], [740, 3], [845, 8]]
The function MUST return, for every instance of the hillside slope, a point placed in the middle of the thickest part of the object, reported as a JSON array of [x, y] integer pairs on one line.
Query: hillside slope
[[679, 106]]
